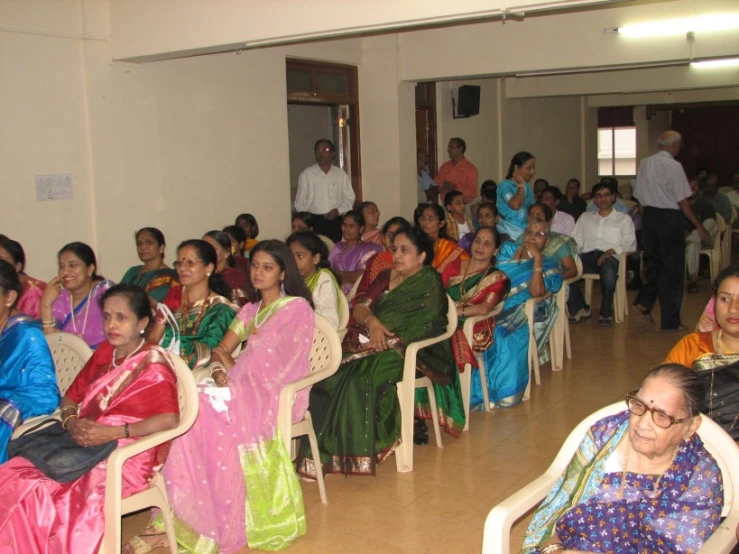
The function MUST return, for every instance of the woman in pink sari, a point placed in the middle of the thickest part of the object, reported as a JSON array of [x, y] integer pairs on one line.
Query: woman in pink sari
[[349, 257], [230, 479], [30, 301], [125, 391]]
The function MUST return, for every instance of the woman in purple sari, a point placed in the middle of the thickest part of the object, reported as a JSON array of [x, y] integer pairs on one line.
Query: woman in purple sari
[[71, 300], [349, 257], [641, 480]]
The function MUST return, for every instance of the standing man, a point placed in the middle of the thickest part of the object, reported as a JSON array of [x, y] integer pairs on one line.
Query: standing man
[[663, 190], [325, 191], [458, 173]]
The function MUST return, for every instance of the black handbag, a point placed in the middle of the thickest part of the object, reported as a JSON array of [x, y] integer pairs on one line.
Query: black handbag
[[722, 397], [50, 448]]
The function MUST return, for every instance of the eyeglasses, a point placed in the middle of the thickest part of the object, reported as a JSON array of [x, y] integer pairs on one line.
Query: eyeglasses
[[325, 149], [189, 264], [540, 234], [660, 418]]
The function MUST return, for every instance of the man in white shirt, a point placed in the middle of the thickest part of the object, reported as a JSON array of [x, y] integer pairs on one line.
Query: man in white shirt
[[601, 237], [325, 191], [663, 190], [562, 223]]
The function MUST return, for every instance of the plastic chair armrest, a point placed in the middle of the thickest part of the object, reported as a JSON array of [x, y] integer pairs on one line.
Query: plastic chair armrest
[[723, 539], [469, 323]]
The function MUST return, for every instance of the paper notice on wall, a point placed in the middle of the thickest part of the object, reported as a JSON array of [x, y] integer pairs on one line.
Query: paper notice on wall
[[55, 186]]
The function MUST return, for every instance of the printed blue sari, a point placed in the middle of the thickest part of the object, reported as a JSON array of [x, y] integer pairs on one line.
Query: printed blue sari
[[28, 385], [506, 361]]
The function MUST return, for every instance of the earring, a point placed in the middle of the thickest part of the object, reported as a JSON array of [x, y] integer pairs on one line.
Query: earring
[[208, 274], [141, 332], [282, 288]]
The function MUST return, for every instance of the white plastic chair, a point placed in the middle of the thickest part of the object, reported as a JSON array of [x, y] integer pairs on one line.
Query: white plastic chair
[[343, 315], [496, 535], [327, 241], [407, 390], [353, 292], [714, 253], [156, 494], [561, 330], [533, 352], [620, 304], [70, 354], [325, 358], [465, 378], [726, 240]]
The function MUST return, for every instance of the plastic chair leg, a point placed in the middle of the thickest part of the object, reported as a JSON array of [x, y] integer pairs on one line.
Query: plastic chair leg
[[404, 451], [428, 385], [568, 345], [316, 456], [483, 381], [465, 382]]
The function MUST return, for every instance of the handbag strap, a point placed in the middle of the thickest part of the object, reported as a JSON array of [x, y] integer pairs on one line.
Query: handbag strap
[[38, 426], [171, 321]]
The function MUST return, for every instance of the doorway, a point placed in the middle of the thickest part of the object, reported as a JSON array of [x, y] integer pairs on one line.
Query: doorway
[[322, 103], [426, 123]]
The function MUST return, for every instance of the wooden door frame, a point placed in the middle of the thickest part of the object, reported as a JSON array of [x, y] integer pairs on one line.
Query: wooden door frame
[[351, 98]]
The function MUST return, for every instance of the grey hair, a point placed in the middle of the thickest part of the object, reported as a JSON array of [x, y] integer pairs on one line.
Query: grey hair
[[539, 222], [668, 138]]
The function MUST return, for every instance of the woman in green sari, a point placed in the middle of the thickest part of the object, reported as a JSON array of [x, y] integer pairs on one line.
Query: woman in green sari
[[356, 412], [155, 277], [201, 309]]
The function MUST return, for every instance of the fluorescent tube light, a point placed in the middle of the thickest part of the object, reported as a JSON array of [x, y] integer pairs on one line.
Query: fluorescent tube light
[[711, 64], [709, 23]]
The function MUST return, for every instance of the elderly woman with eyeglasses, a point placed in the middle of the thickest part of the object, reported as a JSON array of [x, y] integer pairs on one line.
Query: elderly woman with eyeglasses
[[531, 275], [641, 481]]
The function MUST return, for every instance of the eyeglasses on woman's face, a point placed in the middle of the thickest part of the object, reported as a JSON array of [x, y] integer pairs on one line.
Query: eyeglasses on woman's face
[[660, 418], [534, 234], [187, 264]]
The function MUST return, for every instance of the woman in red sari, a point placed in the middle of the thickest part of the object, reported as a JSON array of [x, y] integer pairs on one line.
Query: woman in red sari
[[30, 301], [476, 286], [431, 220], [382, 260], [125, 391], [236, 279]]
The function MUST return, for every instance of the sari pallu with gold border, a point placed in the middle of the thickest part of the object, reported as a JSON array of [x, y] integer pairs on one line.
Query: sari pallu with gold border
[[41, 516], [594, 509], [201, 329], [156, 283], [489, 286], [356, 412]]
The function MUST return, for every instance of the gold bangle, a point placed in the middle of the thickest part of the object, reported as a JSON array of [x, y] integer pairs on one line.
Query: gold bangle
[[68, 407], [48, 322], [64, 423], [539, 269]]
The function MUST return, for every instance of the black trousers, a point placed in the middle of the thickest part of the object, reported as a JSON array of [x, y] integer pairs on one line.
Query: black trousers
[[663, 235], [330, 228]]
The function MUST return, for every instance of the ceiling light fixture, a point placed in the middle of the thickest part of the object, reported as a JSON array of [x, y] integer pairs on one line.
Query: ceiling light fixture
[[717, 63], [709, 23]]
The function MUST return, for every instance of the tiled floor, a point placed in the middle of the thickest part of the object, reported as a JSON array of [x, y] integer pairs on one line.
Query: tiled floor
[[441, 506]]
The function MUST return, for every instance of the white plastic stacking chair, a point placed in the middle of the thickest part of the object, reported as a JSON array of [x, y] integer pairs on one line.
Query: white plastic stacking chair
[[561, 330], [407, 390], [465, 378], [620, 303], [497, 533], [325, 358], [156, 494], [343, 315], [726, 240], [714, 252], [533, 352], [70, 354], [353, 292]]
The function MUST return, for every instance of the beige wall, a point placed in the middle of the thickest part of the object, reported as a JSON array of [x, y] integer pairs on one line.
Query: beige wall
[[184, 145], [143, 29]]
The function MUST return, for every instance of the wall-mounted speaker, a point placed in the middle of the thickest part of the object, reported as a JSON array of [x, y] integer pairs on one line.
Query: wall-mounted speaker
[[468, 101]]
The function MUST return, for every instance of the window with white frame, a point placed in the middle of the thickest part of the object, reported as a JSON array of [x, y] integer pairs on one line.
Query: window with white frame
[[617, 151]]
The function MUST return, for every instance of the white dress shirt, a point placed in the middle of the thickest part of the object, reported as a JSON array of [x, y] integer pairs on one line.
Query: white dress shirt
[[612, 232], [562, 223], [661, 182], [319, 192]]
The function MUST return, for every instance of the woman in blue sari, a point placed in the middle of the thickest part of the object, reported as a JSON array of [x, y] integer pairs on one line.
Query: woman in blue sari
[[515, 196], [532, 275], [27, 381]]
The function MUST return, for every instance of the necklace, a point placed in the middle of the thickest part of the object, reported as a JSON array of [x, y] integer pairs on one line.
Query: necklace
[[655, 492], [475, 290], [141, 271], [719, 344], [185, 326], [87, 312], [112, 363]]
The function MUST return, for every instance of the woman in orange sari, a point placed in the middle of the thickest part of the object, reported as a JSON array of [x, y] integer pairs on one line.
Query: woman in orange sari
[[430, 219], [476, 287]]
